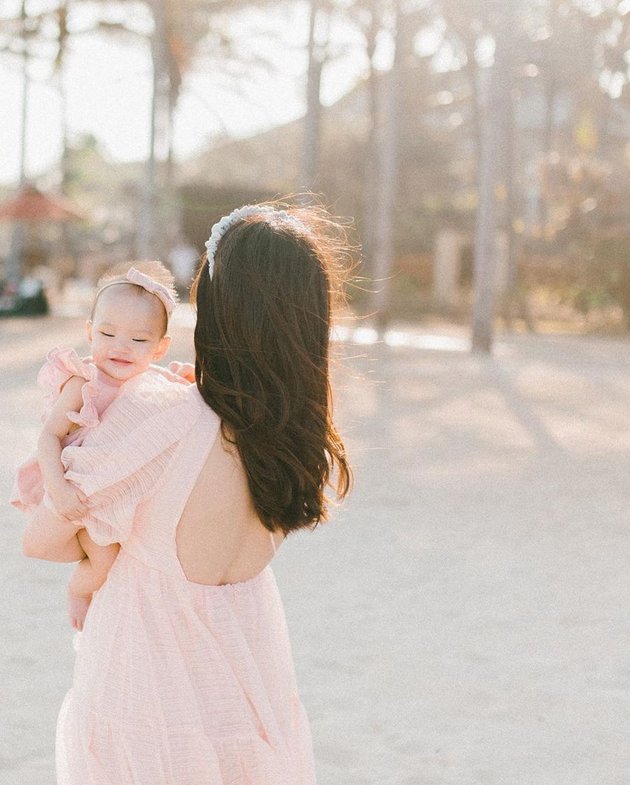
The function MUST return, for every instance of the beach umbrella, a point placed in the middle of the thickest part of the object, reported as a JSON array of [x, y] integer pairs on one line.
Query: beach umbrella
[[33, 206], [28, 207]]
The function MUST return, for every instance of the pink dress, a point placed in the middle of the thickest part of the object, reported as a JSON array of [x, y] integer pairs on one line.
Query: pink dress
[[97, 393], [175, 683]]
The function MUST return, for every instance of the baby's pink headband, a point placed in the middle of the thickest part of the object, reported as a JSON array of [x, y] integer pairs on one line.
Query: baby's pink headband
[[146, 282]]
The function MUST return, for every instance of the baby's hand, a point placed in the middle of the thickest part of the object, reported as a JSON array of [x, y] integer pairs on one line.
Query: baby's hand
[[77, 609], [69, 502], [185, 370]]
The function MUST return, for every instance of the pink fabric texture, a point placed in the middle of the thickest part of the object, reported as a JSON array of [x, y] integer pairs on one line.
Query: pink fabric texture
[[175, 683], [97, 393]]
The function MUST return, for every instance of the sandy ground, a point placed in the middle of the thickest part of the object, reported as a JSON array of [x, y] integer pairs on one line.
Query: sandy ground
[[465, 617]]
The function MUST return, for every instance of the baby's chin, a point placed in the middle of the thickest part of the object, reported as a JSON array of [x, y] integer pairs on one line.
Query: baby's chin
[[118, 372]]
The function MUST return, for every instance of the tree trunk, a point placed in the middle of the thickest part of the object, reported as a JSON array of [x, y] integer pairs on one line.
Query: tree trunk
[[387, 181], [66, 249], [471, 71], [148, 242], [370, 175], [495, 102], [13, 267], [485, 230], [312, 119], [147, 214], [25, 94], [514, 301], [550, 81]]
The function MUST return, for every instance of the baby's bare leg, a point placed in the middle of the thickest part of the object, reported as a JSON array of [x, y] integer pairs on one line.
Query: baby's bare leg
[[77, 609], [88, 576]]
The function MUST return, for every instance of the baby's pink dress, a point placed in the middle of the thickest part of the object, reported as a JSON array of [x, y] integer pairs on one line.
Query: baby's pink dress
[[175, 683], [97, 393]]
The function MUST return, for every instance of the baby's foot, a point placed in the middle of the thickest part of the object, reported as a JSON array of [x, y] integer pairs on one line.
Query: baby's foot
[[77, 609]]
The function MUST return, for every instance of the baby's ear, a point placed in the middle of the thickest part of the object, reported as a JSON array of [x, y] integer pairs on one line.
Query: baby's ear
[[162, 347]]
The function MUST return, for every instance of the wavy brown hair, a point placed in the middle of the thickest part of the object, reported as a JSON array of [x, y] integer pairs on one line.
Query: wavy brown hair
[[262, 359]]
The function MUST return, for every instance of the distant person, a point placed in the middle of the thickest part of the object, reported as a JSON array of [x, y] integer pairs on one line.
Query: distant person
[[126, 332], [183, 260], [184, 674]]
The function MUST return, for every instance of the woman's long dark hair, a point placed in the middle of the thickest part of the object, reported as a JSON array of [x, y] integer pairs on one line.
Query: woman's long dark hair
[[262, 360]]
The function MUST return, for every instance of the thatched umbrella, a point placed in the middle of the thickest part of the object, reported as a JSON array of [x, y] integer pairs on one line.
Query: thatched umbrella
[[33, 206]]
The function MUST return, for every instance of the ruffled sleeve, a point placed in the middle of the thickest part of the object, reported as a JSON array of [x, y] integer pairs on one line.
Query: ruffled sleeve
[[60, 366], [122, 461]]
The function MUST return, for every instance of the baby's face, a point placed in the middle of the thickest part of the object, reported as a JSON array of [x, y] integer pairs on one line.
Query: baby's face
[[125, 332]]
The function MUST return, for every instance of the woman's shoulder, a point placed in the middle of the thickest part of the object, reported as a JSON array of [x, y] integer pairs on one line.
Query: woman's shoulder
[[155, 401], [149, 416], [154, 392]]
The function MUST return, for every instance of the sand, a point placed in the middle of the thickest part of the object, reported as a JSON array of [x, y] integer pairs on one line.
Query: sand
[[463, 619]]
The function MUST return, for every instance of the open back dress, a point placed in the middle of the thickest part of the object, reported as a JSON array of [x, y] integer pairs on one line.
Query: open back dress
[[175, 682]]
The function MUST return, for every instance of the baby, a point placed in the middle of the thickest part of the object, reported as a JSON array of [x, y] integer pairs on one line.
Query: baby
[[127, 332]]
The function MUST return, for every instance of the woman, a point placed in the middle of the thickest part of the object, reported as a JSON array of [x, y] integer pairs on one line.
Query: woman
[[184, 674]]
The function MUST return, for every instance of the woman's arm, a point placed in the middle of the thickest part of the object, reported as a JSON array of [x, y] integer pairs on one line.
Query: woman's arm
[[51, 538]]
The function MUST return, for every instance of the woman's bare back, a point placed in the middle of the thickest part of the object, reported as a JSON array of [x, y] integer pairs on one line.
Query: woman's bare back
[[220, 538]]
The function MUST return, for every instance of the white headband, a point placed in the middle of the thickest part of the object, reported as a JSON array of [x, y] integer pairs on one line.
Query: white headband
[[221, 227]]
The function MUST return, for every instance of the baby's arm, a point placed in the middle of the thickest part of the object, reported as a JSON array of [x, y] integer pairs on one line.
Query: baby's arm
[[88, 576], [67, 499]]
